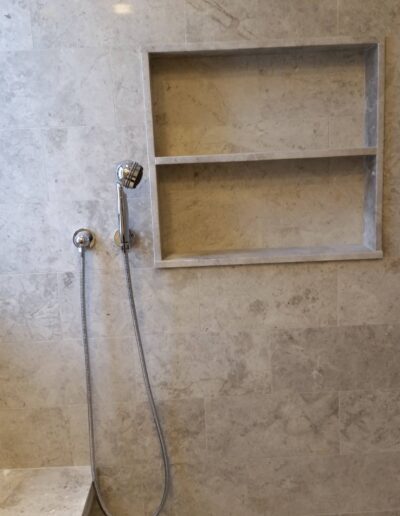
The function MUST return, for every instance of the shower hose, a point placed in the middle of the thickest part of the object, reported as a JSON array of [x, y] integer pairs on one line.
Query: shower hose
[[146, 379]]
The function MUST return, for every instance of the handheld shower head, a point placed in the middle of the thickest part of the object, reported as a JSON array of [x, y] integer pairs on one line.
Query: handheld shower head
[[129, 173]]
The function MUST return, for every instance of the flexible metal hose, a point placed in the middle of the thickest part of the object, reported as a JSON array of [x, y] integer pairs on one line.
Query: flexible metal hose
[[146, 379], [89, 396], [149, 392]]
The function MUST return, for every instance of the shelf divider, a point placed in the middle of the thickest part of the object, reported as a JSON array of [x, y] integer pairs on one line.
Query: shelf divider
[[266, 156]]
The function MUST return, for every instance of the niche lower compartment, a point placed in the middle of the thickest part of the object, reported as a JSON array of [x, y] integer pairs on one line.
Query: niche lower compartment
[[265, 211]]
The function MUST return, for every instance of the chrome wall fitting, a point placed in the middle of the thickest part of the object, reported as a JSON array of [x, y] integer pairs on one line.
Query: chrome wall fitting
[[83, 239], [117, 239]]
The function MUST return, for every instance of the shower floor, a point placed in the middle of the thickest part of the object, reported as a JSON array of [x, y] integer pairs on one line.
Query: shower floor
[[36, 492]]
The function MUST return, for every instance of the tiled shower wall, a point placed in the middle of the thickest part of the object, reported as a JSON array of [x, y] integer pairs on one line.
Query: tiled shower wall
[[279, 385]]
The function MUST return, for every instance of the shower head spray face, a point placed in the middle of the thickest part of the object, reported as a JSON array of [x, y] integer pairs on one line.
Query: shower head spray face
[[129, 173]]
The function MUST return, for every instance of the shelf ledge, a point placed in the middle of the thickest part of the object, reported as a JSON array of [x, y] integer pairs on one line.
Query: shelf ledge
[[276, 255], [266, 156]]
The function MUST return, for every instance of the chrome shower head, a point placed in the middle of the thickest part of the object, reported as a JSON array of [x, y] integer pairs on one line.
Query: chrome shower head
[[129, 173]]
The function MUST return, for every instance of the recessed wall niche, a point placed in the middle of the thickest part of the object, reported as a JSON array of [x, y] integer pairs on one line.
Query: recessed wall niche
[[265, 154]]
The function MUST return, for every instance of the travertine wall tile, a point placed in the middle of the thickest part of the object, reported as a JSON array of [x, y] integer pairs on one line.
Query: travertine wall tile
[[108, 311], [338, 484], [368, 17], [167, 300], [256, 297], [210, 488], [77, 417], [184, 428], [251, 429], [113, 364], [122, 488], [34, 438], [369, 421], [117, 439], [368, 293], [324, 359], [41, 374], [197, 365]]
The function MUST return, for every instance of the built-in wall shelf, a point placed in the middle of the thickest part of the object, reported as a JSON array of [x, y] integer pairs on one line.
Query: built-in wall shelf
[[265, 153]]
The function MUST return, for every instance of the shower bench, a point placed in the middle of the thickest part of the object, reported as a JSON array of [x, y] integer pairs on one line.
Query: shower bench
[[65, 491]]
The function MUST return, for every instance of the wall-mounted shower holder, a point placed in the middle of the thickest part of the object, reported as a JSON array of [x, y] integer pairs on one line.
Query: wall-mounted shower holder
[[117, 239], [83, 238]]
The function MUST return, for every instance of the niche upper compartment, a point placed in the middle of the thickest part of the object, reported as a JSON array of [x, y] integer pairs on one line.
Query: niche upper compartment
[[228, 126]]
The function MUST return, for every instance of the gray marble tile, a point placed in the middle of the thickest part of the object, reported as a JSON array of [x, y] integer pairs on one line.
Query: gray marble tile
[[15, 25], [29, 308], [34, 438], [89, 154], [61, 491], [41, 374], [368, 17], [107, 307], [167, 301], [341, 484], [184, 429], [197, 365], [102, 24], [369, 421], [221, 20], [66, 87], [244, 298], [367, 293], [24, 253], [22, 172], [315, 359], [308, 18], [126, 69], [253, 428]]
